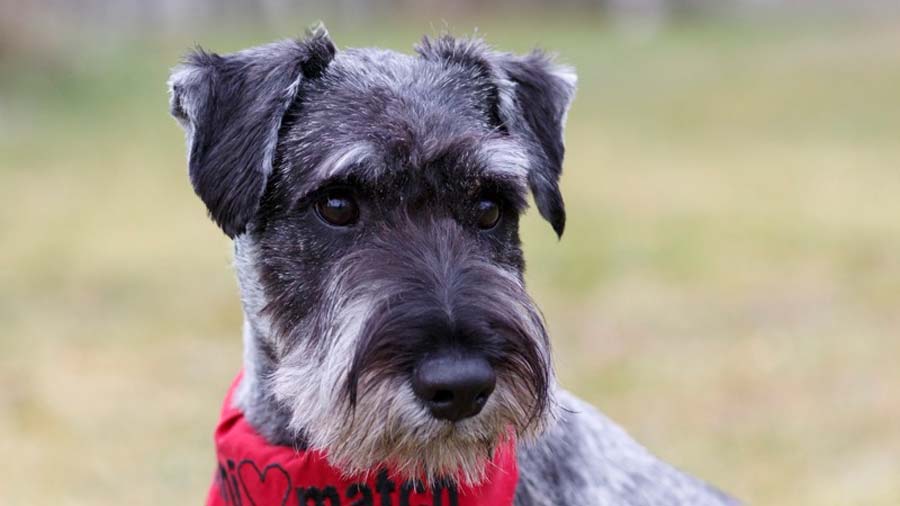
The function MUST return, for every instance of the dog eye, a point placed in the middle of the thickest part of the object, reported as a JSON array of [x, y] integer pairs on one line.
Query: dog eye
[[488, 214], [338, 208]]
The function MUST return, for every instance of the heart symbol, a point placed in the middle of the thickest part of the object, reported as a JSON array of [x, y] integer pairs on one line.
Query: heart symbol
[[262, 481]]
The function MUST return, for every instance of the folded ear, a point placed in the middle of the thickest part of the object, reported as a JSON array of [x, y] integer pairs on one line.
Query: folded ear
[[231, 108], [535, 108], [529, 97]]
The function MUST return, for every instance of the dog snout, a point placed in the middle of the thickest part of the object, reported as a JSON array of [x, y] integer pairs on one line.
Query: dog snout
[[454, 387]]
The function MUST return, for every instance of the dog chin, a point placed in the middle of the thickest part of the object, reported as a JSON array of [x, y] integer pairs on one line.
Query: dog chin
[[434, 450], [396, 430]]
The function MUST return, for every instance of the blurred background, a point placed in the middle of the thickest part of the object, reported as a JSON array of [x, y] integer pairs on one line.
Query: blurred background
[[728, 287]]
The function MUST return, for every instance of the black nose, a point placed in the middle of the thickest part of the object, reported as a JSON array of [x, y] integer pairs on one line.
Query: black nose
[[454, 387]]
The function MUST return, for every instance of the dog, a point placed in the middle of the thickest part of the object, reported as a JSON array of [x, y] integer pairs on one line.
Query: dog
[[373, 198]]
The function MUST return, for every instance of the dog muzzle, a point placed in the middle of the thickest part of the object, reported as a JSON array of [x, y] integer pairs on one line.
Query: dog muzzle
[[252, 472]]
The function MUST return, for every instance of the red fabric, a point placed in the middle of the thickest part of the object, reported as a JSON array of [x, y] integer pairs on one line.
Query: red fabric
[[252, 472]]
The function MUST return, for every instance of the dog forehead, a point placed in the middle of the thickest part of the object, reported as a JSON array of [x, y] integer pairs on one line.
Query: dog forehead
[[393, 99], [386, 111], [397, 79]]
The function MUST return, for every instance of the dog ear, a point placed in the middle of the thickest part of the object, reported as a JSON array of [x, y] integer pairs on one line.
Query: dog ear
[[535, 108], [529, 99], [231, 108]]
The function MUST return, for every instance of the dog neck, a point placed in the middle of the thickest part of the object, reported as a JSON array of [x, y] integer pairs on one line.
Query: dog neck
[[267, 416], [264, 413], [253, 471]]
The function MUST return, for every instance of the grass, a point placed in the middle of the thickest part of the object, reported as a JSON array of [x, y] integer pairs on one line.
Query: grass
[[727, 288]]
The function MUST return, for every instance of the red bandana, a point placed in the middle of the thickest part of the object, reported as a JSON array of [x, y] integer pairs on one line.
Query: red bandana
[[252, 472]]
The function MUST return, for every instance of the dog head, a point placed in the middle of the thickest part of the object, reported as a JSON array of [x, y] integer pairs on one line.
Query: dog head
[[374, 200]]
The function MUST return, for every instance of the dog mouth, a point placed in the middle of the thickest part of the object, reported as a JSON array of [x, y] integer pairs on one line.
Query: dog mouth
[[390, 425]]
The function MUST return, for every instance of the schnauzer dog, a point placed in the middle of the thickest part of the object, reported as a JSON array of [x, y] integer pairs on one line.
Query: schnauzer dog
[[373, 198]]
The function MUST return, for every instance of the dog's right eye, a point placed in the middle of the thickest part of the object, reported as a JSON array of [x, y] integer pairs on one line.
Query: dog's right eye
[[488, 214], [338, 208]]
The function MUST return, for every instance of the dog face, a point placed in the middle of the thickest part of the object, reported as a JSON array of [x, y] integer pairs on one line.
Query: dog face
[[374, 200]]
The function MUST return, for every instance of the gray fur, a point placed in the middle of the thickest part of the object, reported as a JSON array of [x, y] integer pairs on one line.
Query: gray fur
[[601, 466], [337, 317]]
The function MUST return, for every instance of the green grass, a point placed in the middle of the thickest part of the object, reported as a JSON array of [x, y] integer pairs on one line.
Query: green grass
[[728, 286]]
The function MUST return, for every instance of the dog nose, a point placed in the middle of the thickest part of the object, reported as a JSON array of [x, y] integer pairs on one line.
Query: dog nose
[[452, 387]]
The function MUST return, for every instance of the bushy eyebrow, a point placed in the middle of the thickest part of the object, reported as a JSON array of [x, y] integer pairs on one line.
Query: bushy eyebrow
[[503, 170], [506, 158], [359, 160], [340, 161], [499, 162]]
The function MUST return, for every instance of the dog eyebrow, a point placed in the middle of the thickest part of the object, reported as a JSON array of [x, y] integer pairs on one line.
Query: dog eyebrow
[[340, 161], [498, 158], [504, 157]]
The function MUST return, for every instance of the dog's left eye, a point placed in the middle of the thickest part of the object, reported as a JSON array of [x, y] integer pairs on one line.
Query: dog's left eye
[[488, 214], [338, 208]]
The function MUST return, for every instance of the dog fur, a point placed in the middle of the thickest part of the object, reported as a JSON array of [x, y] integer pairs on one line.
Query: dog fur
[[336, 320]]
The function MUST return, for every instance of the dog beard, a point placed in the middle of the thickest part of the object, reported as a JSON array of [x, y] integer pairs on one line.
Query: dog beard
[[347, 381], [389, 426]]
